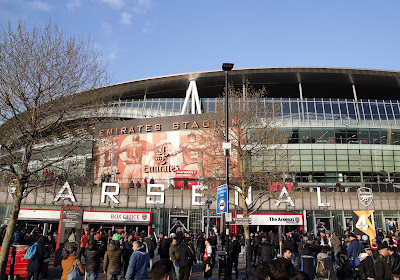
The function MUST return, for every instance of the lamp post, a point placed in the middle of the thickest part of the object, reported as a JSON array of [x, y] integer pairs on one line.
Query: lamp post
[[227, 146]]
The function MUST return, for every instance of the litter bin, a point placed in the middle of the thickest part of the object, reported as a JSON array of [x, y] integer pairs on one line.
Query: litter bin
[[221, 266], [307, 265]]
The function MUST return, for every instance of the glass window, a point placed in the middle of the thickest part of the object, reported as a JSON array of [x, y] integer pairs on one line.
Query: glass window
[[318, 157], [330, 157], [367, 111], [306, 157], [381, 110], [390, 114], [352, 110], [328, 110]]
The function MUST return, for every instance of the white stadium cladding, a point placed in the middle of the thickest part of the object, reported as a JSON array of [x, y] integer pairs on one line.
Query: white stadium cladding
[[345, 134]]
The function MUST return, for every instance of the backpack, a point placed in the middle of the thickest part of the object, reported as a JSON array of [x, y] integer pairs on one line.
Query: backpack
[[321, 270], [31, 252], [74, 273]]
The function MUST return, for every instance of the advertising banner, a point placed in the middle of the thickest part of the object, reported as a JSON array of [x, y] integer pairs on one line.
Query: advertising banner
[[363, 225]]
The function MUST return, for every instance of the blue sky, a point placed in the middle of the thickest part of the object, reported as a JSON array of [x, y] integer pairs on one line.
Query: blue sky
[[147, 38]]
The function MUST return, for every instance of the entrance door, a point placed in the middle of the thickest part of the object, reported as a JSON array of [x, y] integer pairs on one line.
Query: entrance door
[[178, 224], [215, 224], [322, 224]]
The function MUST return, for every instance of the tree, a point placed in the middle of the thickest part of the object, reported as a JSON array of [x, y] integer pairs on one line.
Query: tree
[[258, 157], [47, 80]]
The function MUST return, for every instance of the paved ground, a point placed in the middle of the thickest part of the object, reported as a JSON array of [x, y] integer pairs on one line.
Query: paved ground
[[55, 272]]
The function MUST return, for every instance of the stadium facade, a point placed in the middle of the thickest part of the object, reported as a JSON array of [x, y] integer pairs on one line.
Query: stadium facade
[[345, 144]]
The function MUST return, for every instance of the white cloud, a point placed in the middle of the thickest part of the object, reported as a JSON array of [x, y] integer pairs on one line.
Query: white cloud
[[107, 27], [74, 4], [142, 6], [44, 6], [112, 55], [115, 4], [126, 18]]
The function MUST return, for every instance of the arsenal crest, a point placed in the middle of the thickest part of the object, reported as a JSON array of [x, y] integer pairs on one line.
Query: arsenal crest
[[365, 196], [144, 217], [160, 155], [297, 219]]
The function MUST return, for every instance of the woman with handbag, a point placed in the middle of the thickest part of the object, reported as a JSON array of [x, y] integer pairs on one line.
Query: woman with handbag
[[71, 261]]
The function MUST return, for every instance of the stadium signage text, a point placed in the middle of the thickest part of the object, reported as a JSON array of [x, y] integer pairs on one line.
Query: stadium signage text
[[155, 194], [161, 124]]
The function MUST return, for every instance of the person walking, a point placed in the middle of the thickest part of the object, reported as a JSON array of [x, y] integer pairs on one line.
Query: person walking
[[92, 257], [267, 253], [394, 262], [234, 251], [327, 263], [208, 260], [366, 270], [70, 259], [127, 252], [138, 264], [151, 247], [35, 263], [186, 259], [174, 256], [337, 248], [382, 269], [113, 260]]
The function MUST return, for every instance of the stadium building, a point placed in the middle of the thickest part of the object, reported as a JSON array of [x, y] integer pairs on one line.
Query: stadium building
[[345, 142]]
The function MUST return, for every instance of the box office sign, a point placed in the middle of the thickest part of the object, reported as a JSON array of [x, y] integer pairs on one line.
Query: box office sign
[[117, 217]]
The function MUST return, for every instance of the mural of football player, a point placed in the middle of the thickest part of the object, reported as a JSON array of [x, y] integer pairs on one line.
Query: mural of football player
[[106, 157], [131, 156], [190, 152]]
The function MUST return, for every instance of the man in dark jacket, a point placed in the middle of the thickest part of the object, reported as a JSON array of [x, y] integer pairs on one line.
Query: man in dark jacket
[[92, 257], [256, 247], [382, 269], [354, 249], [186, 259], [112, 260], [127, 252], [366, 270], [394, 262], [234, 250], [151, 247], [35, 263], [267, 253]]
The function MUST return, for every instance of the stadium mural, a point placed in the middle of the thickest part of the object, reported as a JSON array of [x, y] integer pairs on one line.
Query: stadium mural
[[175, 157]]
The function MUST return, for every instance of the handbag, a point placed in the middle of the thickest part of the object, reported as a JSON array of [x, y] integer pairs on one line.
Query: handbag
[[74, 273]]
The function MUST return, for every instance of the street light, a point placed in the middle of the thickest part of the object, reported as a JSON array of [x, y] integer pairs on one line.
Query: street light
[[227, 67]]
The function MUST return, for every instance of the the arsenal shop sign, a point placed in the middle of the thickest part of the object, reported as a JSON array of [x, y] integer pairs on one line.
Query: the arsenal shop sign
[[277, 219]]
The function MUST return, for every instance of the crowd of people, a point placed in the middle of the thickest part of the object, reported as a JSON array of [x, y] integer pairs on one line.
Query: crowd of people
[[303, 256], [325, 256]]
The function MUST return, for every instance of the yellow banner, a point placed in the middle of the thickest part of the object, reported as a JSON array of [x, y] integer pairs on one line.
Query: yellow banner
[[364, 224]]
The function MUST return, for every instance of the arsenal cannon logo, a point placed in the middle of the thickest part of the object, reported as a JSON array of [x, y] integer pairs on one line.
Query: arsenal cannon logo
[[365, 196]]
